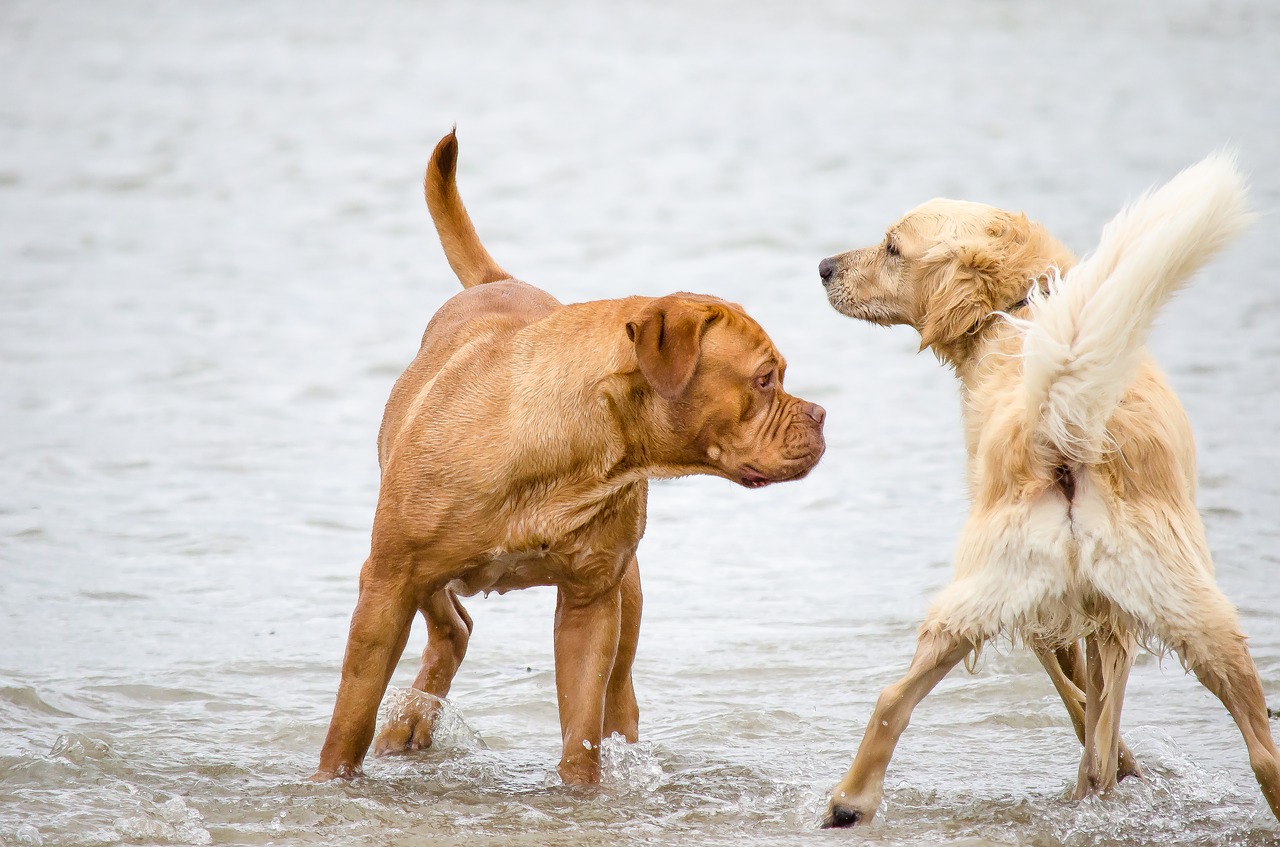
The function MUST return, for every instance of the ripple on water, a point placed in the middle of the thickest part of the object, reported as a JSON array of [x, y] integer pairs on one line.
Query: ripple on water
[[26, 698], [85, 792], [199, 330], [1178, 802]]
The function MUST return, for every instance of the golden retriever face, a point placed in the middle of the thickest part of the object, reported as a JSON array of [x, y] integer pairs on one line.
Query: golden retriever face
[[944, 268], [718, 381]]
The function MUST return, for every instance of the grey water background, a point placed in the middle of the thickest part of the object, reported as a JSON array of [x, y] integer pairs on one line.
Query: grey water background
[[215, 259]]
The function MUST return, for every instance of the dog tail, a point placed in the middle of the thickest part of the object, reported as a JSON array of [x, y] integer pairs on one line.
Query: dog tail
[[467, 256], [1084, 340]]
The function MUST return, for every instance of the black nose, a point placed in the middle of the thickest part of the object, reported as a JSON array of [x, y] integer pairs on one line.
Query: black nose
[[826, 269]]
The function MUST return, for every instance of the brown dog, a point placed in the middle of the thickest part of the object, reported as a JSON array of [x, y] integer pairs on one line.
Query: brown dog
[[1082, 477], [516, 451]]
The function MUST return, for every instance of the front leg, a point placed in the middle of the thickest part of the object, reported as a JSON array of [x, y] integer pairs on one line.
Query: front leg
[[621, 712], [857, 797], [1066, 669], [448, 633], [586, 644], [1109, 657]]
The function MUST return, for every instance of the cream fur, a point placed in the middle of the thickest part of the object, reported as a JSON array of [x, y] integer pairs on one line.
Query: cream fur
[[1083, 340], [1082, 526]]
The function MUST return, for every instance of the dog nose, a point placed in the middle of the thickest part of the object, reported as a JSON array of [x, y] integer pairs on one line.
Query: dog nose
[[816, 412], [826, 269]]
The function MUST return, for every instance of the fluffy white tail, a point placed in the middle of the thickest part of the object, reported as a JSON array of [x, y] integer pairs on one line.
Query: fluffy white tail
[[1084, 338]]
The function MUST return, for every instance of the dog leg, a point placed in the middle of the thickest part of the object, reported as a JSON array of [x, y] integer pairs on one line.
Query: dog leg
[[586, 645], [1196, 620], [448, 632], [1065, 667], [621, 712], [379, 630], [1108, 661], [857, 796], [1215, 651]]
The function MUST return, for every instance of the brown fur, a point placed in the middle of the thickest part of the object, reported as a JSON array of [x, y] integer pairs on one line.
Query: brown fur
[[467, 256], [515, 452]]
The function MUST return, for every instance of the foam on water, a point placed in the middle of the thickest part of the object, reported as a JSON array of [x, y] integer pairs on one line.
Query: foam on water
[[630, 767]]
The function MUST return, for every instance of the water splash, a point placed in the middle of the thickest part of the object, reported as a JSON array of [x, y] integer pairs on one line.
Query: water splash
[[78, 748], [1177, 802], [171, 821], [629, 767], [25, 835], [449, 730]]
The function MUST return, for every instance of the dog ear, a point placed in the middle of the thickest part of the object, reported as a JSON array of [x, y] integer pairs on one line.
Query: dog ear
[[973, 279], [961, 298], [668, 343]]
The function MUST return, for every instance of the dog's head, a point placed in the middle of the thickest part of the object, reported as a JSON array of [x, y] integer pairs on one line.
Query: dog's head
[[713, 388], [945, 268]]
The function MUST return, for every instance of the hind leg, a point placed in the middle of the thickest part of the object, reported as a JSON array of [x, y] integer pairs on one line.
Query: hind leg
[[448, 632], [1215, 651], [1177, 599], [1066, 669]]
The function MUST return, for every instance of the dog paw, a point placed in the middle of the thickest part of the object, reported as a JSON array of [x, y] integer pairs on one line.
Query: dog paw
[[409, 725], [345, 771], [1129, 767], [840, 816], [579, 772]]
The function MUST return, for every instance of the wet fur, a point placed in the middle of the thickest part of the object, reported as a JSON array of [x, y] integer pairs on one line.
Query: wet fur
[[1081, 470], [516, 450]]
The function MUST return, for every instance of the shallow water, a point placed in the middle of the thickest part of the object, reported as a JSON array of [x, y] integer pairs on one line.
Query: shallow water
[[214, 261]]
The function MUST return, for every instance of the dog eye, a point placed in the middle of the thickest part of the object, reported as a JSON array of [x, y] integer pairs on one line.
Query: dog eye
[[891, 247], [765, 381]]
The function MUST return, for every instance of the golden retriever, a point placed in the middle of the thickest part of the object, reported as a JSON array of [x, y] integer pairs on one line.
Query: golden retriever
[[1081, 466]]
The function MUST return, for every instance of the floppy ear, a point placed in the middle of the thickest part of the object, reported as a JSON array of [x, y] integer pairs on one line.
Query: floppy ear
[[668, 343], [975, 278], [963, 295]]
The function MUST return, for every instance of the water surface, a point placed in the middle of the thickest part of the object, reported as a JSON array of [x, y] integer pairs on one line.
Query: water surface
[[214, 260]]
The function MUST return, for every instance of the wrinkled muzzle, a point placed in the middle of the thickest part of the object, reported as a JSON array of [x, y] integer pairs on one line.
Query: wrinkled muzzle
[[796, 446]]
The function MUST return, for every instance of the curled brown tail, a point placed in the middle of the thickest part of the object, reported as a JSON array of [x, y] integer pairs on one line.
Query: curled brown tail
[[467, 256]]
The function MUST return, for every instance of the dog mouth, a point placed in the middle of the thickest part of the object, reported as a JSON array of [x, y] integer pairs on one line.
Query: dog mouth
[[749, 477], [848, 296], [802, 448], [870, 310]]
